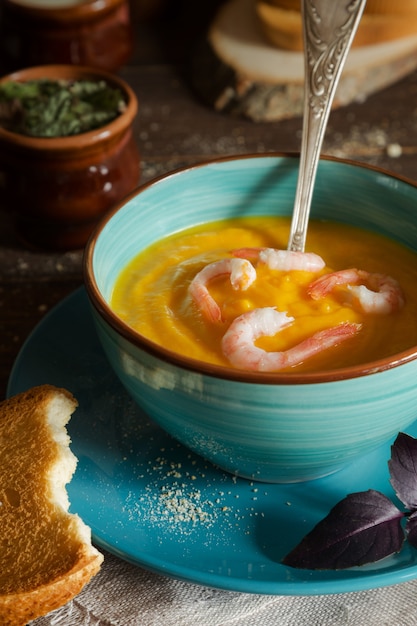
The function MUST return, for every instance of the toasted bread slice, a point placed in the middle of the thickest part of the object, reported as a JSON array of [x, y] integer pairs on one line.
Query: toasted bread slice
[[46, 556]]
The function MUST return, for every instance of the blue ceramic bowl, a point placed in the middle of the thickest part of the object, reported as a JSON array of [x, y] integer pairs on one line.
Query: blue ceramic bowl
[[269, 427]]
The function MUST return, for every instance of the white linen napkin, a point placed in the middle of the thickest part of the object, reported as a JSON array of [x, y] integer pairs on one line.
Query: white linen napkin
[[125, 595]]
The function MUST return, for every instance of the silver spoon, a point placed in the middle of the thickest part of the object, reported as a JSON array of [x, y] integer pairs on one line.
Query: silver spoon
[[329, 27]]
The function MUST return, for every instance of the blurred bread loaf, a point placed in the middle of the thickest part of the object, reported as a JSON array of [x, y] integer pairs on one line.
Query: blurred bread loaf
[[251, 63], [382, 21], [46, 556]]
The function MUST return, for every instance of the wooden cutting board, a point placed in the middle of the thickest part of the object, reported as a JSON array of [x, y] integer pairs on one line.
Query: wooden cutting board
[[236, 70]]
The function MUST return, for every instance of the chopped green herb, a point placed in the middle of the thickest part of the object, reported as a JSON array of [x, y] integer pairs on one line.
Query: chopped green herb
[[58, 108]]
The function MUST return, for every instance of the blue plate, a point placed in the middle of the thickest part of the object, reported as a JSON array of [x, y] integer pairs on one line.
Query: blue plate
[[154, 503]]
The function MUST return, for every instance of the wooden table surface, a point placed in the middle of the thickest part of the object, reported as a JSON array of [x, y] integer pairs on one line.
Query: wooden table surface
[[175, 128]]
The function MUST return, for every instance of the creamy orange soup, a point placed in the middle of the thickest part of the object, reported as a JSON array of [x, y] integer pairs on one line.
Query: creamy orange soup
[[152, 294]]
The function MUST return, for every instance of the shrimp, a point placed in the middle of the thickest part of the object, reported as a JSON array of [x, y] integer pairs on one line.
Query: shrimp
[[238, 343], [374, 293], [242, 275], [283, 260]]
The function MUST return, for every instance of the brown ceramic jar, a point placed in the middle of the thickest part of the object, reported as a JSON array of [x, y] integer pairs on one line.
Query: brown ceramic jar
[[87, 32], [58, 188]]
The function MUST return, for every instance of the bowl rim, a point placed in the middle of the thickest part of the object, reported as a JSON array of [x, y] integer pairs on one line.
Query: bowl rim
[[87, 139], [219, 371], [66, 14]]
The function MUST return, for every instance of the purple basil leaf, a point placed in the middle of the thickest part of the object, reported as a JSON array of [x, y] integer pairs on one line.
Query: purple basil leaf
[[403, 469], [362, 528], [411, 529]]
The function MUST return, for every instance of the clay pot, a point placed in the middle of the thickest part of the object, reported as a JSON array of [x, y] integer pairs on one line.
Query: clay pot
[[57, 189], [93, 32]]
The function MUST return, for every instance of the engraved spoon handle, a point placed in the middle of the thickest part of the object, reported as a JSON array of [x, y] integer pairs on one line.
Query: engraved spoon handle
[[329, 27]]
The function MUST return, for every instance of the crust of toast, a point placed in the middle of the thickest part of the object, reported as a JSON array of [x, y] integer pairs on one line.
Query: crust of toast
[[46, 556]]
